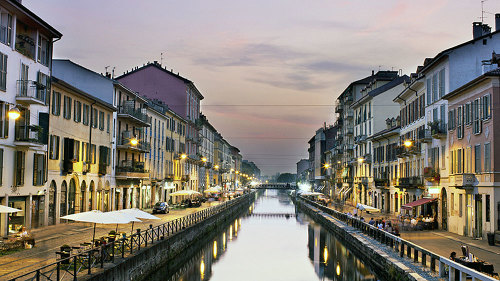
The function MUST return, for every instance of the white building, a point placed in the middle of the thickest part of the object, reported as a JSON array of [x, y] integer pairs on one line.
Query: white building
[[25, 67]]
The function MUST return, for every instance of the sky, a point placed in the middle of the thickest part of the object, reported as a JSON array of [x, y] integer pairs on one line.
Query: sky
[[270, 71]]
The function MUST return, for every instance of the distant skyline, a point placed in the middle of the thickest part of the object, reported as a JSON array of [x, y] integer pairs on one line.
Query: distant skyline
[[270, 71]]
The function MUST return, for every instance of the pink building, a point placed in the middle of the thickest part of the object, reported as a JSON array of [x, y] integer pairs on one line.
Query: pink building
[[180, 94], [474, 198]]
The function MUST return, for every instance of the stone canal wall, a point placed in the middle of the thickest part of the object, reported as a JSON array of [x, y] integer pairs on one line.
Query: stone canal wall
[[385, 266], [150, 259]]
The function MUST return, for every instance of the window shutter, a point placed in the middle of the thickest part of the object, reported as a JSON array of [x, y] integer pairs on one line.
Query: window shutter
[[429, 89], [43, 121], [58, 140]]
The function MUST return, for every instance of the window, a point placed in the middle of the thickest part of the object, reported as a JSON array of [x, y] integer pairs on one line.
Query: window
[[19, 168], [452, 202], [476, 125], [43, 50], [67, 107], [3, 72], [101, 120], [443, 158], [460, 205], [86, 111], [1, 166], [441, 83], [25, 40], [78, 112], [429, 91], [108, 123], [467, 114], [487, 157], [4, 120], [38, 169], [460, 162], [434, 87], [54, 147], [477, 158], [56, 103], [460, 129], [486, 107], [94, 118], [488, 207], [6, 28], [42, 86], [23, 81]]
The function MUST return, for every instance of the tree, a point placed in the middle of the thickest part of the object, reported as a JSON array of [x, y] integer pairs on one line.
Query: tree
[[286, 178]]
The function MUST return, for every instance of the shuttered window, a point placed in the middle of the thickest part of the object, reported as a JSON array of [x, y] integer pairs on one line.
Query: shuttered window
[[3, 72], [441, 83], [56, 103], [4, 120], [38, 169], [54, 147], [19, 159]]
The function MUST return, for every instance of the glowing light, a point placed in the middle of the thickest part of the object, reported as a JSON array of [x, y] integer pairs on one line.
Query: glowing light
[[183, 156], [204, 159], [408, 143], [224, 241], [232, 170], [361, 160], [230, 232], [215, 249], [14, 113], [325, 255], [202, 269], [338, 269], [235, 226], [216, 167], [315, 242], [237, 172], [326, 165]]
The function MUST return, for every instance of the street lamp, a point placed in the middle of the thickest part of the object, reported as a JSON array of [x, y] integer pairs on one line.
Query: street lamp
[[216, 167], [14, 113], [134, 141], [183, 156], [204, 159], [408, 143], [326, 166], [361, 160]]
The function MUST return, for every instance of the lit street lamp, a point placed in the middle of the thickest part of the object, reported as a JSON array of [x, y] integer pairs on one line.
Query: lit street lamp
[[14, 113]]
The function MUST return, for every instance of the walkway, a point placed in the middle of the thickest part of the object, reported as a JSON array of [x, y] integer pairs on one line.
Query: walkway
[[49, 239], [441, 242]]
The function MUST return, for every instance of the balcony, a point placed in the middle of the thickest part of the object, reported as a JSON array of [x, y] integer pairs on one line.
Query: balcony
[[360, 138], [401, 152], [464, 181], [425, 136], [411, 182], [124, 143], [415, 149], [135, 115], [339, 108], [350, 131], [31, 92], [350, 114], [438, 129], [381, 182], [349, 147], [131, 170], [349, 99], [29, 136]]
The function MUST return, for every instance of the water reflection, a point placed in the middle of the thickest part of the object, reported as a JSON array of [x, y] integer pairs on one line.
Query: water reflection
[[260, 247]]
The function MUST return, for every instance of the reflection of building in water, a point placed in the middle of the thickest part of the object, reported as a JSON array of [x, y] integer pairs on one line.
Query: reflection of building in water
[[331, 260]]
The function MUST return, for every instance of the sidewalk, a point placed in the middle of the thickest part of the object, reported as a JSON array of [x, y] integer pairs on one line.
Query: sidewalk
[[441, 242], [49, 239]]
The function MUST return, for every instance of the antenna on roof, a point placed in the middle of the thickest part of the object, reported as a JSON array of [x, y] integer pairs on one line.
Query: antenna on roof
[[482, 10], [161, 58]]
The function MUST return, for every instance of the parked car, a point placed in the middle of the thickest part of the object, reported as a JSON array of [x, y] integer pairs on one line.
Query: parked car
[[160, 207]]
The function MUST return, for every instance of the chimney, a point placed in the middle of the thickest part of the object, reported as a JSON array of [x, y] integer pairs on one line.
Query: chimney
[[479, 29], [497, 22]]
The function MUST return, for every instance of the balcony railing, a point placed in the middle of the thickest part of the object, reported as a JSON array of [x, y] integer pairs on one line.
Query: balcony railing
[[465, 181], [438, 129], [29, 133], [425, 136], [339, 108], [125, 139], [350, 131], [129, 166], [137, 113], [28, 90], [350, 114], [411, 182], [381, 182]]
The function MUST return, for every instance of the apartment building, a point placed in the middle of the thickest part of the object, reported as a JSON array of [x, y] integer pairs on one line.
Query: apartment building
[[26, 43], [473, 205], [156, 82], [206, 150], [79, 160]]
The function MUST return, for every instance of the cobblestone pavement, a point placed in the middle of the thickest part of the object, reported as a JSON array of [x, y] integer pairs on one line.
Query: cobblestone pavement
[[442, 242], [49, 239]]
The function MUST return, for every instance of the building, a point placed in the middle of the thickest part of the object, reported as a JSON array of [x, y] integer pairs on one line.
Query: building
[[26, 44], [473, 197], [156, 82], [206, 149], [303, 170], [79, 160]]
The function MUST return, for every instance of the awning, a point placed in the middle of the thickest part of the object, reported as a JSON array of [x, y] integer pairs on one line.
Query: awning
[[417, 203]]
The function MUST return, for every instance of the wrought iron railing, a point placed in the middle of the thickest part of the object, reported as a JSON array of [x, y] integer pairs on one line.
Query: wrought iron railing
[[85, 262]]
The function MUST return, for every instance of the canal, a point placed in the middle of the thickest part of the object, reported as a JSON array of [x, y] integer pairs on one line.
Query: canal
[[272, 241]]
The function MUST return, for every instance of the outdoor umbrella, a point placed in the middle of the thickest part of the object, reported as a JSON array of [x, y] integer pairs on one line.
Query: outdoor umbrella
[[96, 217], [139, 214], [5, 209], [367, 208], [184, 192], [212, 190]]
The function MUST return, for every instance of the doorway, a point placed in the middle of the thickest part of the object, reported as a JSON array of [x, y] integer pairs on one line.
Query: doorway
[[444, 209]]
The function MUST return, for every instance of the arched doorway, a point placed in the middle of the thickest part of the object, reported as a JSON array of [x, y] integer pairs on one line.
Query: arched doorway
[[99, 196], [64, 200], [396, 202], [106, 197], [83, 191], [52, 203], [91, 196], [444, 209], [71, 197]]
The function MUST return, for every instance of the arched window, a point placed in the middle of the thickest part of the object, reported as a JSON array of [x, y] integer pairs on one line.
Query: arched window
[[91, 196], [64, 199], [52, 203], [83, 191], [71, 197]]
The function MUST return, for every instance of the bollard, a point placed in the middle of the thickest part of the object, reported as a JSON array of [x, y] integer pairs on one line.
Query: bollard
[[415, 255]]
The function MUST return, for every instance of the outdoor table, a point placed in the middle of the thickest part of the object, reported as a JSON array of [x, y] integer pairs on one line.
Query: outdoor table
[[480, 266]]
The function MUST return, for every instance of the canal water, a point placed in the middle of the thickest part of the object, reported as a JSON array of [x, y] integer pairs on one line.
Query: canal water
[[272, 241]]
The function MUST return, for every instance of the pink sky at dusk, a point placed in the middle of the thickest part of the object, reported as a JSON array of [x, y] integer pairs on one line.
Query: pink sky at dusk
[[260, 52]]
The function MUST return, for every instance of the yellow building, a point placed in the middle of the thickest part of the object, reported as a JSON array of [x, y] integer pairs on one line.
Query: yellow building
[[80, 141]]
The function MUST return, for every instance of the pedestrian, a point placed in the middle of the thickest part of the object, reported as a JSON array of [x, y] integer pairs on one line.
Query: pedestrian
[[371, 222]]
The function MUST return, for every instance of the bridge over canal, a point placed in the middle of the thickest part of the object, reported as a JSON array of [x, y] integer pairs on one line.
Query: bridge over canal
[[289, 186]]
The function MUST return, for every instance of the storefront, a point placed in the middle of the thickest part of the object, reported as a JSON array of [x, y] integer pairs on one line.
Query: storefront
[[17, 220], [38, 211]]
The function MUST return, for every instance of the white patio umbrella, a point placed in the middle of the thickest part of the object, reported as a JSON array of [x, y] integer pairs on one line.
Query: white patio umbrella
[[96, 216], [212, 190], [367, 208], [139, 214], [5, 209], [184, 192]]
